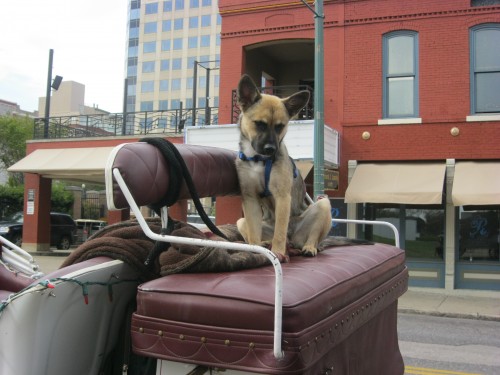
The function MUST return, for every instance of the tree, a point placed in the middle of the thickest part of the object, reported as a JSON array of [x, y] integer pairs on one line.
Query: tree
[[14, 132], [62, 199], [11, 199]]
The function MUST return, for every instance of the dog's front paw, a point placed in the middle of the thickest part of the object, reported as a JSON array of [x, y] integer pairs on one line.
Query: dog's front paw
[[283, 258], [309, 251]]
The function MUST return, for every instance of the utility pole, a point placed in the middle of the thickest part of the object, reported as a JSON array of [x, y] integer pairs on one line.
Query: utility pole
[[319, 91]]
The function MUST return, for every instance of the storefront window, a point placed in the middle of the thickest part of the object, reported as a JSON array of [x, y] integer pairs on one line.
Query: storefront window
[[479, 235], [421, 228]]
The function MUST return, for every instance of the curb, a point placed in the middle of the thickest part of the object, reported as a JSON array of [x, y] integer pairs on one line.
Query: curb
[[476, 316]]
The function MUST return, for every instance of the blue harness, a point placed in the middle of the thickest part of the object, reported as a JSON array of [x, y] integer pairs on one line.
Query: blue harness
[[268, 164]]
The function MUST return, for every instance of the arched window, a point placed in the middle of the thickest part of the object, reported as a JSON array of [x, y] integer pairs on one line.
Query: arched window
[[400, 74], [485, 68]]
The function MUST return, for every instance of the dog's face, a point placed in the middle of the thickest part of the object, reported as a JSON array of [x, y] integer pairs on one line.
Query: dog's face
[[264, 118]]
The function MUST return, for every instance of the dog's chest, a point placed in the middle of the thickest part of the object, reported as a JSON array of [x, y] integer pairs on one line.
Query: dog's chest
[[252, 179]]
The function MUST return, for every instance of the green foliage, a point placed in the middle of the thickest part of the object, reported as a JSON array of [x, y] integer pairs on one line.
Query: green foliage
[[62, 200], [14, 132], [11, 199]]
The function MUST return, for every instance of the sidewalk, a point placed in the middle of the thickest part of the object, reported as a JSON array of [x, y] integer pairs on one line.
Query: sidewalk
[[458, 303]]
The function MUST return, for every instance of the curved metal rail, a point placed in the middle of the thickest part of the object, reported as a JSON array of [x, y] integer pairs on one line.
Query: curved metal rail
[[278, 292]]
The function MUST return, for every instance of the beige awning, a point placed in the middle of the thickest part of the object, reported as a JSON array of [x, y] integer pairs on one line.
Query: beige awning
[[402, 183], [476, 183], [75, 164]]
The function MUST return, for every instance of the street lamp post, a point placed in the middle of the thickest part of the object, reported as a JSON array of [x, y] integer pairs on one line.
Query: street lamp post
[[50, 85], [47, 96], [207, 90]]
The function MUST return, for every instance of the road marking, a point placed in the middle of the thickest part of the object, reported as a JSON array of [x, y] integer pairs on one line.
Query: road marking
[[410, 370]]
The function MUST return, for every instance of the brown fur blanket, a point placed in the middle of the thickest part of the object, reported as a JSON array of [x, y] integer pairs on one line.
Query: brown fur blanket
[[127, 242]]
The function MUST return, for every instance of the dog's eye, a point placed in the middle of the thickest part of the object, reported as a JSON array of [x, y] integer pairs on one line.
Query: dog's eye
[[279, 128], [261, 126]]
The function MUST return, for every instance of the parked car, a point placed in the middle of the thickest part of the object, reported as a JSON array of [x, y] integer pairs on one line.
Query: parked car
[[62, 229], [87, 227], [197, 221]]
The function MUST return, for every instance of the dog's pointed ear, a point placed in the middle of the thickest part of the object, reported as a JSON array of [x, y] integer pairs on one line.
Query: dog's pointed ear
[[296, 102], [248, 93]]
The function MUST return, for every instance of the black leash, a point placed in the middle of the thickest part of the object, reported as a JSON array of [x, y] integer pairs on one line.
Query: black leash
[[178, 172]]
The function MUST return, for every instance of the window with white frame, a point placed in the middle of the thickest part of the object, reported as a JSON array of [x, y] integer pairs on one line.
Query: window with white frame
[[148, 66], [165, 64], [147, 86], [179, 4], [400, 75], [163, 84], [206, 20], [193, 22], [166, 25], [163, 105], [178, 24], [149, 47], [150, 27], [177, 64], [165, 45], [175, 84], [167, 6], [177, 45], [151, 8], [147, 105], [193, 42], [485, 68]]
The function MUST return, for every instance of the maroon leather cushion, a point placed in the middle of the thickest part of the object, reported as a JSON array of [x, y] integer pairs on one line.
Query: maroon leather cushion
[[146, 172], [313, 289], [331, 304]]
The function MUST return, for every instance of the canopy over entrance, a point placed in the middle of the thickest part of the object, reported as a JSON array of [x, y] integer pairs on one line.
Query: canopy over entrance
[[400, 183], [476, 183], [75, 164]]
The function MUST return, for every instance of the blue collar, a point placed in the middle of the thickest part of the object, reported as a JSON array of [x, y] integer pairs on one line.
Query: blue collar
[[268, 163], [255, 158]]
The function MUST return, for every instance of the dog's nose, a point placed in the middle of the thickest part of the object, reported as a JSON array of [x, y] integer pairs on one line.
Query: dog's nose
[[269, 149]]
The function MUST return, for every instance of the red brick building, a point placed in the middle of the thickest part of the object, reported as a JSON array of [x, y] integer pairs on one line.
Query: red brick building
[[413, 87]]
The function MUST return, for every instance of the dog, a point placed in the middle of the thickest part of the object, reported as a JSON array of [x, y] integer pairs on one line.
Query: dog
[[273, 192]]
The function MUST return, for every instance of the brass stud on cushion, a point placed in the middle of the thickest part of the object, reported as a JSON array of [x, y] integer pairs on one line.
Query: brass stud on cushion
[[181, 337], [160, 333], [203, 340], [141, 330], [227, 342]]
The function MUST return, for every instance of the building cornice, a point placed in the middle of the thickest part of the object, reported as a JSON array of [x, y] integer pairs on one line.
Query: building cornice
[[355, 21], [411, 16]]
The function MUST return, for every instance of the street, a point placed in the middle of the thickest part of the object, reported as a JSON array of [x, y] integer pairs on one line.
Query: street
[[449, 346]]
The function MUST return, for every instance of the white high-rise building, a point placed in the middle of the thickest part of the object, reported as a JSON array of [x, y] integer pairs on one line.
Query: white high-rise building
[[165, 39]]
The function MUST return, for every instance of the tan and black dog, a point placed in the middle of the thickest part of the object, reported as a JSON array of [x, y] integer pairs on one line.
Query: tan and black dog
[[273, 192]]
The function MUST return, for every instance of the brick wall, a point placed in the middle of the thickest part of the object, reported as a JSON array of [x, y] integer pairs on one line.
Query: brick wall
[[353, 33]]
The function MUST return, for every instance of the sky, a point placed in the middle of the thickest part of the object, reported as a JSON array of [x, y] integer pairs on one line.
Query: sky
[[89, 42]]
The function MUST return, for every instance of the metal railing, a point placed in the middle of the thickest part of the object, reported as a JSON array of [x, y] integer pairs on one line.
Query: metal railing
[[117, 124]]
